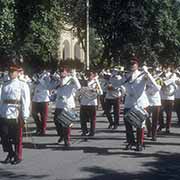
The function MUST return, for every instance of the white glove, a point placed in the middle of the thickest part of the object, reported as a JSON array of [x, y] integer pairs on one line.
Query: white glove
[[73, 73], [145, 69]]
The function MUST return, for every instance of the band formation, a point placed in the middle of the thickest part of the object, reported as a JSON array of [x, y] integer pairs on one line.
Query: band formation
[[148, 96]]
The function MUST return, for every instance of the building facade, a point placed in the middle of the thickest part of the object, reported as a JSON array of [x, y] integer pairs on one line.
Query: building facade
[[69, 46]]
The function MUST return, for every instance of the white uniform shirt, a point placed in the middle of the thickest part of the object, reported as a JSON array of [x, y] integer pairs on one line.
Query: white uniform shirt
[[115, 92], [177, 92], [41, 89], [15, 90], [153, 95], [168, 93], [66, 92], [135, 91]]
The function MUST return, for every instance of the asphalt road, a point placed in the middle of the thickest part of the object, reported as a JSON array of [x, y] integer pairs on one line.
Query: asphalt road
[[101, 157]]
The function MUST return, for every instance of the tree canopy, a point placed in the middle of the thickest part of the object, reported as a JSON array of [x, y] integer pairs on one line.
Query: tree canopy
[[149, 29], [30, 28]]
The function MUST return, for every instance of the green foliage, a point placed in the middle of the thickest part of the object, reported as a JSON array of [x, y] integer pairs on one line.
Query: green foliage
[[7, 27], [163, 30], [75, 14], [41, 27], [44, 31], [96, 49], [30, 28], [150, 29]]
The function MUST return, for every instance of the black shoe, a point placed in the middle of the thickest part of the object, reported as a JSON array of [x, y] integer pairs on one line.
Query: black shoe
[[16, 161], [67, 144], [167, 131], [91, 134], [115, 127], [160, 128], [149, 134], [139, 147], [84, 133], [38, 133], [110, 126], [8, 159], [60, 140], [154, 139], [129, 146]]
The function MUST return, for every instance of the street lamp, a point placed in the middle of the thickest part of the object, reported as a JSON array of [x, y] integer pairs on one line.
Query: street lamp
[[87, 34]]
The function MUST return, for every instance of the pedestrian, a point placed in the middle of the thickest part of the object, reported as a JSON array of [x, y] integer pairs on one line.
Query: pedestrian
[[15, 110], [167, 92], [40, 101], [88, 103], [134, 84], [65, 90], [154, 108], [112, 100]]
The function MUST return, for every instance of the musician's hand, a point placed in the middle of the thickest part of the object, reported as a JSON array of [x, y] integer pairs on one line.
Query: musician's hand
[[145, 69]]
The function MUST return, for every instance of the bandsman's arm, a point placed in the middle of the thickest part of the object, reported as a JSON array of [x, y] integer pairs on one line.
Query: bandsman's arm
[[25, 102], [150, 78]]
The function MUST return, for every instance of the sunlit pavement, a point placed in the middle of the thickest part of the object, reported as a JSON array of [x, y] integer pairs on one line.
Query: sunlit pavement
[[101, 157]]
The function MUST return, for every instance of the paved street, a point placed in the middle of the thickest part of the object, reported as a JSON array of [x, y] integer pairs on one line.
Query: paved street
[[98, 158]]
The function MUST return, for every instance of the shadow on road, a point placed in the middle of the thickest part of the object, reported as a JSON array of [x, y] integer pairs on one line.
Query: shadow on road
[[7, 174], [166, 167]]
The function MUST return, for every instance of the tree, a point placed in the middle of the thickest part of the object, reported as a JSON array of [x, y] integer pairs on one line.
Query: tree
[[7, 26], [75, 14], [30, 28], [150, 29], [163, 30], [96, 49], [38, 28]]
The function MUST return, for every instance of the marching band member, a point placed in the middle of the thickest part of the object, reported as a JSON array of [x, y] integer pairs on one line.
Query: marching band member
[[134, 84], [66, 89], [177, 96], [154, 108], [15, 110], [167, 98], [24, 77], [40, 102], [104, 79], [88, 104], [112, 100]]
